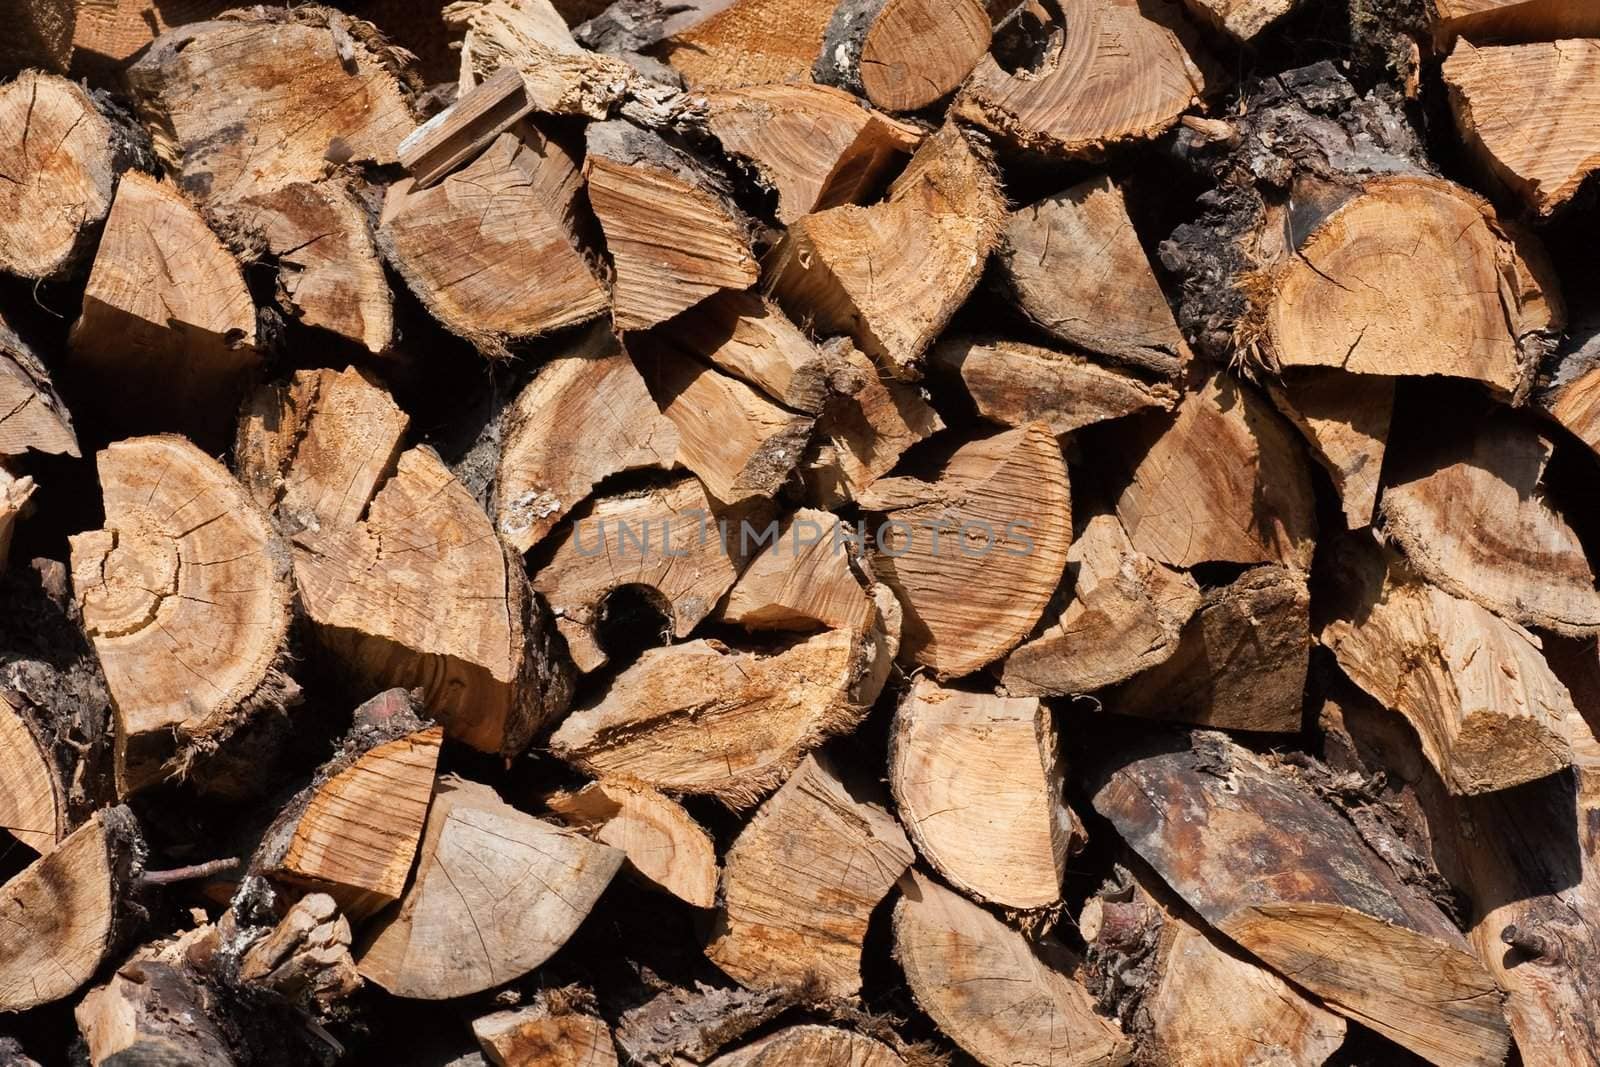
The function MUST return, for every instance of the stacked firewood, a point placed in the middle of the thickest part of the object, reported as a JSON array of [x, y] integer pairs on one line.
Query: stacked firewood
[[777, 532]]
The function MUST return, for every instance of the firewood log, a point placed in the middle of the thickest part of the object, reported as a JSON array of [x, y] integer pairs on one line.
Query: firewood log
[[1279, 872], [1569, 393], [63, 150], [692, 1024], [185, 594], [164, 288], [663, 843], [33, 800], [864, 429], [329, 92], [152, 1012], [1241, 659], [1015, 383], [40, 35], [465, 128], [801, 882], [1125, 616], [530, 885], [809, 1043], [814, 146], [15, 493], [903, 54], [975, 554], [702, 718], [1240, 19], [801, 580], [728, 44], [1006, 1002], [306, 957], [674, 235], [1512, 20], [1225, 481], [1345, 421], [545, 470], [110, 33], [491, 251], [1475, 687], [35, 418], [559, 76], [538, 1037], [1110, 71], [891, 275], [422, 593], [1076, 267], [65, 911], [664, 540], [978, 781]]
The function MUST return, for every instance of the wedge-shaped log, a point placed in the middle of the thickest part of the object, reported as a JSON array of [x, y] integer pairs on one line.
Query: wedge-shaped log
[[33, 802], [728, 45], [903, 54], [559, 77], [1345, 421], [537, 1037], [1512, 20], [802, 580], [37, 420], [663, 843], [809, 1043]]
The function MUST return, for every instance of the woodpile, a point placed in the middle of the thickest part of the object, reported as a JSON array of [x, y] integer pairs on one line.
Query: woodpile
[[757, 533]]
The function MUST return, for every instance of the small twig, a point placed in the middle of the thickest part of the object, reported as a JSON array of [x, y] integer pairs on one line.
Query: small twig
[[185, 874]]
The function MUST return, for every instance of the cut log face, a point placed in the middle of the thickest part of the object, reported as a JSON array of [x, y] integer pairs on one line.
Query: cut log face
[[537, 1037], [110, 33], [1240, 19], [674, 236], [168, 330], [815, 146], [978, 780], [701, 718], [1225, 482], [735, 43], [892, 275], [1286, 877], [1477, 689], [33, 805], [1512, 20], [1241, 660], [1112, 70], [802, 580], [1345, 421], [903, 54], [801, 882], [1076, 267], [1125, 616], [185, 595], [495, 894], [976, 554], [1354, 294], [320, 87], [35, 418], [529, 36], [989, 989], [40, 35], [866, 431], [1015, 383], [60, 913], [663, 843], [809, 1043], [665, 540], [1470, 512], [491, 251]]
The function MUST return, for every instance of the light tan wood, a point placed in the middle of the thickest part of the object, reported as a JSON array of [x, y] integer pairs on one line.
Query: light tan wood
[[903, 55], [536, 1037], [749, 42], [1225, 481], [167, 330], [801, 882], [1112, 71], [306, 957], [1007, 1003], [15, 493], [1512, 20], [151, 1011], [1125, 616], [33, 804], [663, 843], [1484, 702], [864, 432], [978, 781], [802, 579], [109, 33], [496, 892], [465, 128], [1571, 393], [1352, 296], [40, 35], [1076, 267], [36, 419], [694, 1023], [559, 77], [891, 275], [704, 719], [185, 596], [1240, 19], [1345, 421], [977, 551], [809, 1043]]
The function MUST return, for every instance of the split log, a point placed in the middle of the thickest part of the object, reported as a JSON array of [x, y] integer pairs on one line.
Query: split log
[[35, 418], [559, 77], [1111, 71], [978, 781], [664, 540], [694, 1024], [1015, 383], [803, 579], [465, 128], [152, 1012], [1512, 20], [809, 1043], [1345, 421], [168, 330], [663, 843], [185, 594], [735, 43], [1240, 19], [1468, 508], [62, 914], [1125, 617], [1476, 688], [1006, 1002], [891, 275], [1241, 660], [325, 91], [1077, 269], [673, 232], [40, 35], [33, 802], [15, 493], [903, 55], [537, 1037], [1287, 878], [814, 146], [864, 428], [445, 607], [801, 882], [1224, 482], [1570, 394], [305, 958], [109, 33], [704, 719], [495, 894], [545, 470], [976, 553], [492, 251]]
